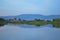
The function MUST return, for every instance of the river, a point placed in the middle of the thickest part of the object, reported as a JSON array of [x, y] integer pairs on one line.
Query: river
[[29, 32]]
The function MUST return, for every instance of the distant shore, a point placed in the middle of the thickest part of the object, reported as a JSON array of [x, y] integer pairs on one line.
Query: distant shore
[[36, 22]]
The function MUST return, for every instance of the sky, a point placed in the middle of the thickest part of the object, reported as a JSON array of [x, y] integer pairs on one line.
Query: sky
[[18, 7]]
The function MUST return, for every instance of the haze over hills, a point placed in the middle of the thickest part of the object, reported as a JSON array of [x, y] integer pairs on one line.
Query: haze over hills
[[31, 17]]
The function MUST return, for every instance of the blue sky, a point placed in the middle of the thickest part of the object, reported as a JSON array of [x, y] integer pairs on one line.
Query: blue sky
[[17, 7]]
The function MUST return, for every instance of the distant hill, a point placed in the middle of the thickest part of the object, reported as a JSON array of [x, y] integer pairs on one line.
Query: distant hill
[[31, 17]]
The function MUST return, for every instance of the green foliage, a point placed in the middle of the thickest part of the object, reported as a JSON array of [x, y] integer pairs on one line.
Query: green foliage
[[36, 22], [37, 19], [1, 19]]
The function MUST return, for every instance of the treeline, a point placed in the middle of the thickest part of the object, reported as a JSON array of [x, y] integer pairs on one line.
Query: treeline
[[32, 22], [19, 21]]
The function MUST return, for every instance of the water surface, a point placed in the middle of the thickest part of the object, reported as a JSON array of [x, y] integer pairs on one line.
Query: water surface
[[29, 32]]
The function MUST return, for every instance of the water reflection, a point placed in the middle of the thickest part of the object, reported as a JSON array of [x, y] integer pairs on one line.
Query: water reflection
[[56, 25], [32, 26], [29, 32], [2, 25]]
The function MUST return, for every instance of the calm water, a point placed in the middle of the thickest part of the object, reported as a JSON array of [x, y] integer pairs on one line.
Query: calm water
[[29, 32]]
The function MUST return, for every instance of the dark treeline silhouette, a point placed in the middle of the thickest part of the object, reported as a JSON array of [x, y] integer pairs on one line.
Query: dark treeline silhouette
[[2, 21]]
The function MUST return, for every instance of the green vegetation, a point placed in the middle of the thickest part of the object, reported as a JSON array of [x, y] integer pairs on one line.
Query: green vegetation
[[2, 21], [36, 22]]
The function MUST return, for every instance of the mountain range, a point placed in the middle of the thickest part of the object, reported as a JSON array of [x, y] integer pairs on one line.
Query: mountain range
[[31, 17]]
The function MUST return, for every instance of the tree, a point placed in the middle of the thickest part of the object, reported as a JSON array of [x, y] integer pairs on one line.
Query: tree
[[24, 20], [15, 19], [1, 19], [37, 19], [19, 19]]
